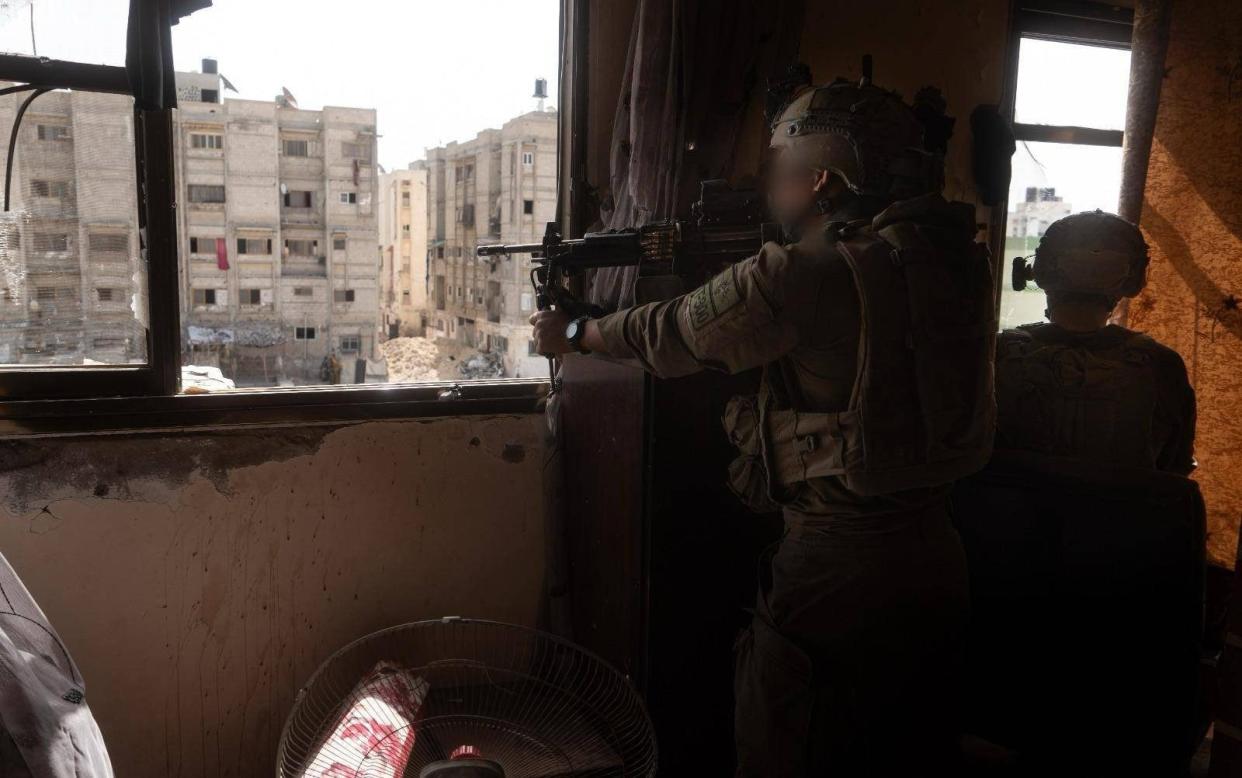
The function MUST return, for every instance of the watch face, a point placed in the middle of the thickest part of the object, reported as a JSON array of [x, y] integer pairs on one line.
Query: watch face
[[571, 330]]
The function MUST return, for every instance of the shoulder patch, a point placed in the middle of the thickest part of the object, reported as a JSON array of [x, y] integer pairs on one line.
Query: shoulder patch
[[712, 299]]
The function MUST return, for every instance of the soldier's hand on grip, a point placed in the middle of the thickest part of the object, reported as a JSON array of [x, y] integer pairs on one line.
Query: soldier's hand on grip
[[549, 334]]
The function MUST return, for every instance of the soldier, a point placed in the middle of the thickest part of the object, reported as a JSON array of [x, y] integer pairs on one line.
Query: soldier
[[875, 332], [1078, 386]]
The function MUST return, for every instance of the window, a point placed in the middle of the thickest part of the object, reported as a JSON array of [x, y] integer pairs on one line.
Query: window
[[527, 299], [1069, 113], [301, 248], [528, 159], [201, 245], [334, 150], [528, 207], [254, 246], [206, 193], [202, 141], [303, 333], [54, 132], [351, 343], [356, 151], [106, 242], [58, 190], [51, 242], [107, 295], [298, 198], [45, 293]]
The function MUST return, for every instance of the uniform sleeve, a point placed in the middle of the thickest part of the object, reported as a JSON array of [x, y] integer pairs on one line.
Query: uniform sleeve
[[1176, 417], [732, 323]]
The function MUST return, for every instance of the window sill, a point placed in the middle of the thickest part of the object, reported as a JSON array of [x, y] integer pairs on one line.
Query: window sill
[[300, 406]]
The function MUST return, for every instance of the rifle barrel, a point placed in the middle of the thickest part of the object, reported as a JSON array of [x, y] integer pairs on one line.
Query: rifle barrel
[[497, 249]]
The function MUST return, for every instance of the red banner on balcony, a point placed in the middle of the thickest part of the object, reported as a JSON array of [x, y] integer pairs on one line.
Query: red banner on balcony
[[222, 254]]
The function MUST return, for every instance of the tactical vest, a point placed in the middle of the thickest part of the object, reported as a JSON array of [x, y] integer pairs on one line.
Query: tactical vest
[[1070, 399], [922, 411]]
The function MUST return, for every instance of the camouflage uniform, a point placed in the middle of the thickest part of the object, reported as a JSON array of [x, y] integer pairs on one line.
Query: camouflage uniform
[[1107, 395], [1112, 395], [850, 660]]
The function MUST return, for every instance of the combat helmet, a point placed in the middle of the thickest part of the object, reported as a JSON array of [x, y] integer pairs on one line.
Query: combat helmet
[[880, 146], [1093, 253]]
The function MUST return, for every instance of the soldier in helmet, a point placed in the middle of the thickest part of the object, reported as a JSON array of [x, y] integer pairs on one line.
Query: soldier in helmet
[[1077, 386], [874, 328]]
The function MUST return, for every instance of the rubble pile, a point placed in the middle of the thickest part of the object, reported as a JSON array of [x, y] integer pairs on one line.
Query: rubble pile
[[486, 365], [416, 359]]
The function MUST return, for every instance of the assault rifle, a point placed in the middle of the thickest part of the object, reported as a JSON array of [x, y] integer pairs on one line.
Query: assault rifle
[[672, 256]]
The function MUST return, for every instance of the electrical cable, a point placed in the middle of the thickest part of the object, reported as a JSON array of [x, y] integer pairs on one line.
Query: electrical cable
[[17, 124]]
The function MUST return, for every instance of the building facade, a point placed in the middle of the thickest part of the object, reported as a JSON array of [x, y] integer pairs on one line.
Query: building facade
[[72, 286], [499, 187], [404, 268], [278, 233], [1040, 208], [277, 227]]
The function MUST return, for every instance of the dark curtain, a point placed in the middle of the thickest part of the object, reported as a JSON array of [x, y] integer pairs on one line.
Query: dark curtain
[[695, 69]]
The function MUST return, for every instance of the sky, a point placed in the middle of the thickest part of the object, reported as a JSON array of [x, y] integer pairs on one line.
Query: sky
[[435, 71], [1060, 83]]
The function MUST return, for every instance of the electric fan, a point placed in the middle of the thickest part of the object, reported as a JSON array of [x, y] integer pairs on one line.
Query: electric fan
[[459, 698]]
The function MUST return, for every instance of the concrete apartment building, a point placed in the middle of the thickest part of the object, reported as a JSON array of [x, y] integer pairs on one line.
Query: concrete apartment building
[[404, 269], [277, 230], [278, 234], [1039, 209], [499, 187], [72, 288]]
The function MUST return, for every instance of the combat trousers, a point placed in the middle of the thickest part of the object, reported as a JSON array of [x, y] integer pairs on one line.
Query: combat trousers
[[851, 664]]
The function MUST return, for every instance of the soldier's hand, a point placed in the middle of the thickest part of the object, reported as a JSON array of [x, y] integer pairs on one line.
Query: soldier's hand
[[549, 333]]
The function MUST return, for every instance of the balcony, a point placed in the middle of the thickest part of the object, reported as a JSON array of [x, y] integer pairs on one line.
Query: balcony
[[51, 207], [290, 215], [304, 267]]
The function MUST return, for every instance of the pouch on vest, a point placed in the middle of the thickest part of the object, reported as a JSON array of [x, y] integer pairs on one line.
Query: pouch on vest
[[748, 473]]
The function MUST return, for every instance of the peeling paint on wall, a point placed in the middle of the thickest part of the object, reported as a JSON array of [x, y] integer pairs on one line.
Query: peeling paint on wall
[[199, 579], [1192, 218]]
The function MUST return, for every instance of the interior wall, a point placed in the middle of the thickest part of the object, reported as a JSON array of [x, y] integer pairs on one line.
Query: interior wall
[[958, 46], [199, 579], [1192, 217]]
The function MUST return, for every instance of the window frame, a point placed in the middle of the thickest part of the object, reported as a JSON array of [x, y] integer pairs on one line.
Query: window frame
[[1078, 22], [153, 170], [73, 400]]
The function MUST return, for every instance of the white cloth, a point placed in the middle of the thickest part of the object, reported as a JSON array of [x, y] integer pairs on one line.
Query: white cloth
[[46, 728]]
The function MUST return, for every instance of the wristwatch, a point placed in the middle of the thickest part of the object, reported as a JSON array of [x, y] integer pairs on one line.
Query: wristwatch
[[574, 332]]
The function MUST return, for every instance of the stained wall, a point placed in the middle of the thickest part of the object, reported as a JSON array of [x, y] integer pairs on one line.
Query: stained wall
[[198, 580]]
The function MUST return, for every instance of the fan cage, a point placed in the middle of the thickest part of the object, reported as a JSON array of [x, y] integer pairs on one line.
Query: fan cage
[[535, 703]]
